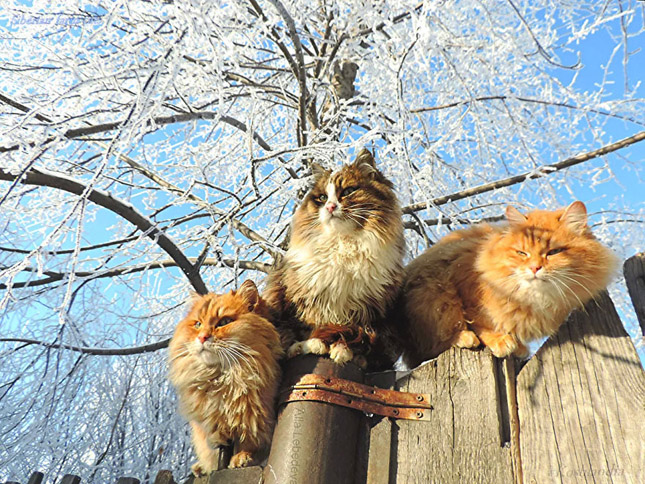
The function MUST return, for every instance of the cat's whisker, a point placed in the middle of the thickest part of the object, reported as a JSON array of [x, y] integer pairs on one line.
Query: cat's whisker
[[566, 286], [560, 291], [251, 363], [561, 274]]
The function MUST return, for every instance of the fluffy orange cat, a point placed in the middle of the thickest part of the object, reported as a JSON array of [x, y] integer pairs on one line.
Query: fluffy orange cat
[[224, 365], [503, 285]]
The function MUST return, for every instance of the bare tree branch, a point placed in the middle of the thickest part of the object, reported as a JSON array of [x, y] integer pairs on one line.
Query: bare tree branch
[[100, 274], [128, 212], [538, 173], [133, 350]]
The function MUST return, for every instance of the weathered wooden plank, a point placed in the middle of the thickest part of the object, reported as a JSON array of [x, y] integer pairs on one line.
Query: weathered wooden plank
[[581, 403], [128, 480], [634, 271], [36, 478], [164, 477], [377, 437], [245, 475], [462, 441], [380, 449], [70, 479]]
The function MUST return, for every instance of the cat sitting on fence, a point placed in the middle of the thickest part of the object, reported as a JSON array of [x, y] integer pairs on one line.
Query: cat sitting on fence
[[343, 268], [503, 285], [224, 366]]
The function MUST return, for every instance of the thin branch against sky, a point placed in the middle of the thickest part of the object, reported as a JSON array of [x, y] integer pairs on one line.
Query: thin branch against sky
[[156, 147]]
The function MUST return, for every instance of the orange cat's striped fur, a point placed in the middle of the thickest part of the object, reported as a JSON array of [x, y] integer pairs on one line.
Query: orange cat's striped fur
[[503, 285], [223, 363]]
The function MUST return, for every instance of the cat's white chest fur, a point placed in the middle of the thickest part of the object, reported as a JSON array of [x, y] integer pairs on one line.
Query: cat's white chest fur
[[336, 276]]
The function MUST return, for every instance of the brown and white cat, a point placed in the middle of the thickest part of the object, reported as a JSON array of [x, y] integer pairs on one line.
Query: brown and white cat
[[503, 285], [224, 365], [343, 268]]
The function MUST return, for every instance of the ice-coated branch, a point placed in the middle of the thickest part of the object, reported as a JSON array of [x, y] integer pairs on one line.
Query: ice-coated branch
[[538, 173], [41, 177], [131, 350], [52, 276]]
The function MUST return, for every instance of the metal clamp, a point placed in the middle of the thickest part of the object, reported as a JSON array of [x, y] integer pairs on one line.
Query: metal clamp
[[368, 399]]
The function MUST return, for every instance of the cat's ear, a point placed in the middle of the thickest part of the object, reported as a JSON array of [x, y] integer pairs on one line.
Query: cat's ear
[[514, 216], [317, 170], [193, 298], [249, 292], [365, 157], [365, 162], [575, 217]]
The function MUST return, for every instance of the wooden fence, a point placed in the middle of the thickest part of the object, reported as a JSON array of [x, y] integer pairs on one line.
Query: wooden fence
[[574, 413]]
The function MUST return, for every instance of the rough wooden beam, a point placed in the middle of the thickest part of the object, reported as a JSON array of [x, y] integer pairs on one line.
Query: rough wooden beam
[[36, 478], [634, 271], [581, 403], [462, 441], [164, 477]]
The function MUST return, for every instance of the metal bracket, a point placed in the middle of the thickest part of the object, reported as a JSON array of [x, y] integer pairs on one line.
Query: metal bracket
[[368, 399]]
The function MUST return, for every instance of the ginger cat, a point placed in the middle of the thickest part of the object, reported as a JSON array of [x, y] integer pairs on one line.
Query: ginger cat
[[343, 268], [503, 285], [224, 366]]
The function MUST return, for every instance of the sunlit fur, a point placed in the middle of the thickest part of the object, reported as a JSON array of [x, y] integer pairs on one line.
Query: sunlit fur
[[503, 285], [344, 262], [226, 376]]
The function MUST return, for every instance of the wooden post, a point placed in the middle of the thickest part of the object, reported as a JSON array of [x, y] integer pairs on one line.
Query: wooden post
[[70, 479], [164, 477], [314, 442], [634, 271], [36, 478], [467, 438], [581, 403]]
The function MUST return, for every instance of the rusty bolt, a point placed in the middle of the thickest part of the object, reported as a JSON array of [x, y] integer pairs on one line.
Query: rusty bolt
[[395, 411], [419, 414], [420, 398]]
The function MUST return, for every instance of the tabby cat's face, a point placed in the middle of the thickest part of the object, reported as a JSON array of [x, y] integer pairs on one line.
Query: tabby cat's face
[[355, 197]]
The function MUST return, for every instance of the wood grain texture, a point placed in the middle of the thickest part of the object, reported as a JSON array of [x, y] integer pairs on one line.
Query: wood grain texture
[[581, 403], [462, 441], [634, 271]]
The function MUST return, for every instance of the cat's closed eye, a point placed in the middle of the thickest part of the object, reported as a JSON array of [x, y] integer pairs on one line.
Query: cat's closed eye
[[224, 321], [197, 324], [555, 251], [521, 253]]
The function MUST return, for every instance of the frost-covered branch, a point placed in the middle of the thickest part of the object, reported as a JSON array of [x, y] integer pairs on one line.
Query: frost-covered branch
[[128, 212], [539, 172]]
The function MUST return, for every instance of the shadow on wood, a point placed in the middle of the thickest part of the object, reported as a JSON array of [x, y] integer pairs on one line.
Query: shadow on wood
[[582, 403]]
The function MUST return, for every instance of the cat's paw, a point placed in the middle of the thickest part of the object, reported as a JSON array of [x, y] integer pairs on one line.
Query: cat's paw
[[503, 345], [241, 459], [467, 339], [521, 351], [198, 470], [340, 353], [313, 345], [360, 361]]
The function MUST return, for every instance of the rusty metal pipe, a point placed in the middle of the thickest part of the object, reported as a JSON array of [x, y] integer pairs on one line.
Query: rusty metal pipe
[[314, 442]]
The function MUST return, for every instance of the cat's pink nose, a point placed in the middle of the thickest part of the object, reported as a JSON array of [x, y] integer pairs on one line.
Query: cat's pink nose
[[331, 207], [535, 268], [202, 338]]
